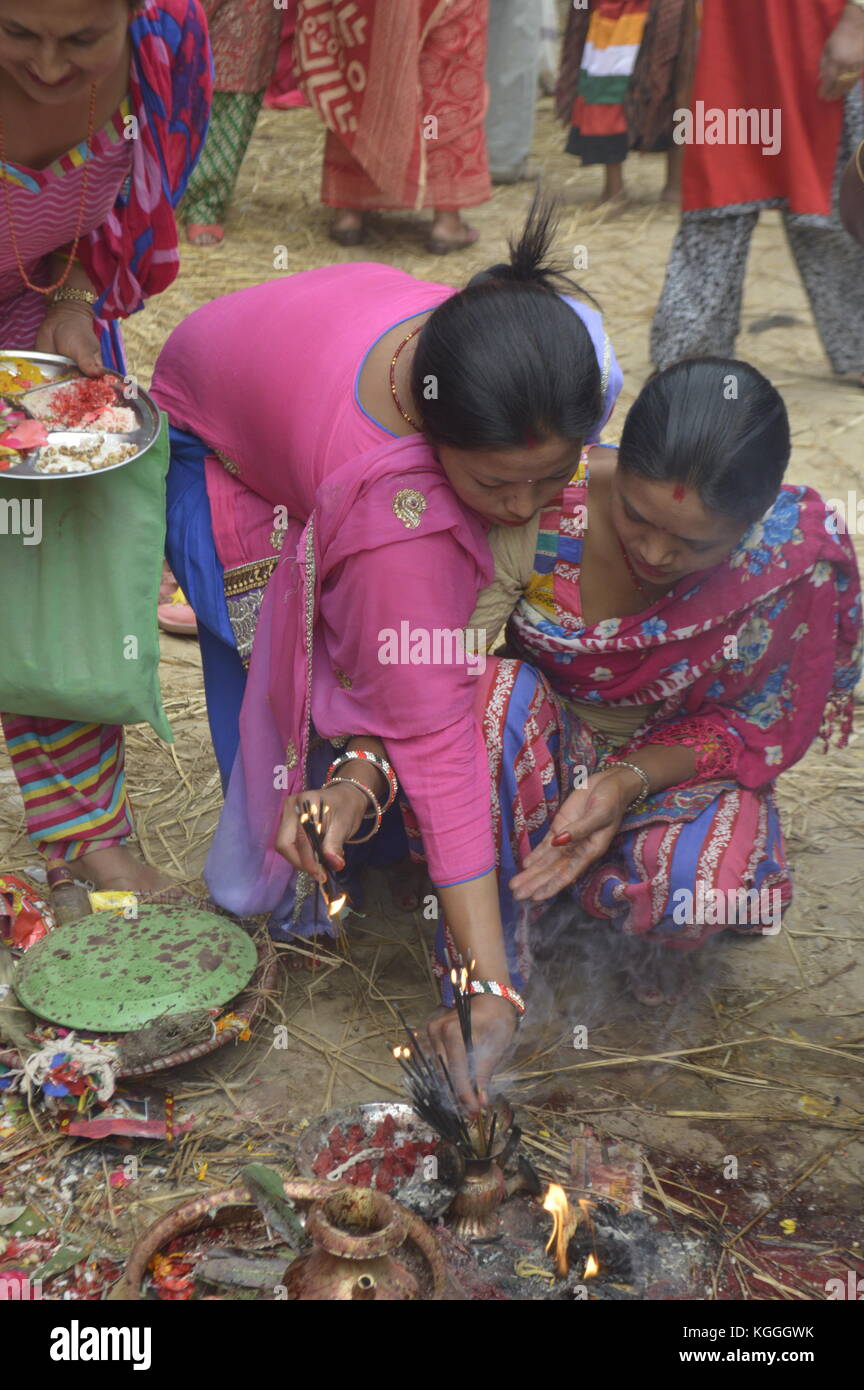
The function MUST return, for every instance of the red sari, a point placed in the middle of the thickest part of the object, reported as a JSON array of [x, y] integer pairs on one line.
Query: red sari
[[402, 91]]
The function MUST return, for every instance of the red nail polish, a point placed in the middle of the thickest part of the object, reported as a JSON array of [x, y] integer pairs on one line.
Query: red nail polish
[[562, 839]]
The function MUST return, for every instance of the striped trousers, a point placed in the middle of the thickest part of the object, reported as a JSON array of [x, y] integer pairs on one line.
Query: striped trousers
[[72, 781]]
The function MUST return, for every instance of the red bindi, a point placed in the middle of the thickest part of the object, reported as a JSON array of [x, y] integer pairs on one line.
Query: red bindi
[[679, 492], [531, 440]]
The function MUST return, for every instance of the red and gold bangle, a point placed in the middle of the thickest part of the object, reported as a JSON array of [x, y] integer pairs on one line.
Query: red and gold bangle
[[374, 802], [376, 761], [502, 991]]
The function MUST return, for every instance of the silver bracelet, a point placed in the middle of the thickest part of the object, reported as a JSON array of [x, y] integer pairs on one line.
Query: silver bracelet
[[641, 796]]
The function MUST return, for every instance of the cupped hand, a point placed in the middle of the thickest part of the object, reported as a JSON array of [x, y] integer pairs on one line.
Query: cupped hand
[[68, 329], [590, 818], [493, 1023], [346, 809], [843, 53]]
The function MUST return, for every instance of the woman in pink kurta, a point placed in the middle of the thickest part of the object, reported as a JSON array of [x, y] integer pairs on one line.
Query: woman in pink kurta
[[355, 528]]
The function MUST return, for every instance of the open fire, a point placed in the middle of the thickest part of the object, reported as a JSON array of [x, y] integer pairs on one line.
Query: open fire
[[563, 1221]]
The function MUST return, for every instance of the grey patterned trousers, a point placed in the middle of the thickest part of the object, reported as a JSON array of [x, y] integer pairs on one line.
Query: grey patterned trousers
[[699, 311]]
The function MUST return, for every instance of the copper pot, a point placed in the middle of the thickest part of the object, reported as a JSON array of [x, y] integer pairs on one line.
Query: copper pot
[[475, 1207], [233, 1207], [356, 1232]]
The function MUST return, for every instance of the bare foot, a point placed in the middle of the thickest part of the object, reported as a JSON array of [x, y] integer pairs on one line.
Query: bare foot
[[118, 868], [674, 165], [613, 204], [613, 184]]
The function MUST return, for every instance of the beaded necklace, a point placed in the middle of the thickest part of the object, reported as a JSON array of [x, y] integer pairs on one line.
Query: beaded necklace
[[13, 235], [393, 361]]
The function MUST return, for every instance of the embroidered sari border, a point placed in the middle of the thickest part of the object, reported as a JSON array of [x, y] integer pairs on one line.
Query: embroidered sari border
[[253, 575]]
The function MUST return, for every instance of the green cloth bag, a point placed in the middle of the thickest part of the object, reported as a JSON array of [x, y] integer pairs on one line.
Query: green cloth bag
[[80, 567]]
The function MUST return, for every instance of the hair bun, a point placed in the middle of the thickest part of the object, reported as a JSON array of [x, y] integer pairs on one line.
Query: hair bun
[[502, 271], [531, 261]]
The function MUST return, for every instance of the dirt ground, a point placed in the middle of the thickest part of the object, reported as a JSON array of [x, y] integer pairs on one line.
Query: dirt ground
[[761, 1059]]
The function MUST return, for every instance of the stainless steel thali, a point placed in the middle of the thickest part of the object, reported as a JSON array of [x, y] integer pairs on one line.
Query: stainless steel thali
[[57, 370]]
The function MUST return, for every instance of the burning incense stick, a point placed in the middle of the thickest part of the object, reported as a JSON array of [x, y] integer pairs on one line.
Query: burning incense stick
[[437, 1102], [492, 1133], [460, 979], [314, 825]]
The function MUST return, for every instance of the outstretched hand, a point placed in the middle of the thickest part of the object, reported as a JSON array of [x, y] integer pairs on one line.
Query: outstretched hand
[[581, 832]]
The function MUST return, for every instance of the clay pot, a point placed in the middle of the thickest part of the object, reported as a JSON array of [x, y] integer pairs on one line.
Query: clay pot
[[356, 1232], [474, 1213]]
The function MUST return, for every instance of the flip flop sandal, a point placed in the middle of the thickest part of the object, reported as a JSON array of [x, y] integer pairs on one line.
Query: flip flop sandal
[[442, 246], [347, 236], [213, 231], [177, 616]]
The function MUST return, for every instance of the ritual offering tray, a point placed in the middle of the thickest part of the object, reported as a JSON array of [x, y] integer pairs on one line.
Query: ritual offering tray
[[119, 998], [57, 423]]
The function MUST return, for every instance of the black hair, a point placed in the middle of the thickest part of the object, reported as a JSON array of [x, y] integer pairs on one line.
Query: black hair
[[715, 424], [506, 362]]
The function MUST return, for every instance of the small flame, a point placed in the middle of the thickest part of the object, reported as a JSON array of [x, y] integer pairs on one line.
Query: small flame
[[591, 1268], [337, 904], [459, 979], [555, 1202]]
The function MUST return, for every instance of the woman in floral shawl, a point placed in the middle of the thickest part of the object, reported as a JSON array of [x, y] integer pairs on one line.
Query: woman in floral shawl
[[681, 628]]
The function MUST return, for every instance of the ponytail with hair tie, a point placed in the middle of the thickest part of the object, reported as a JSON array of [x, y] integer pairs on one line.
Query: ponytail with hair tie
[[530, 262]]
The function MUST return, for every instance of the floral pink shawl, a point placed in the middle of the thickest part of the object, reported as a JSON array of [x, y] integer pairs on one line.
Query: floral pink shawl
[[749, 661]]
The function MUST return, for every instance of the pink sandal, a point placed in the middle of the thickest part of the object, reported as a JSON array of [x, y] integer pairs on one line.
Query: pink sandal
[[176, 616], [205, 234]]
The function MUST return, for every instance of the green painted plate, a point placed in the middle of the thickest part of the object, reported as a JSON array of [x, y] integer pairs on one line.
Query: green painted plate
[[112, 975]]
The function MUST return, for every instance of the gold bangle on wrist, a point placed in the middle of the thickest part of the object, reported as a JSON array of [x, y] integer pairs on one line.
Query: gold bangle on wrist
[[375, 810], [73, 295], [638, 802]]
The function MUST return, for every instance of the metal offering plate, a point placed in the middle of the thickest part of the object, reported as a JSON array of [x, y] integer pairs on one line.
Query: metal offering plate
[[80, 452], [427, 1197]]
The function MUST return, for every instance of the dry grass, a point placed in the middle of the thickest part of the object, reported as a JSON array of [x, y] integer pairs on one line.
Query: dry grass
[[731, 1070]]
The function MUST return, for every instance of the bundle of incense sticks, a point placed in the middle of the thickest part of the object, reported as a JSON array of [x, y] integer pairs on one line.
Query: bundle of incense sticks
[[459, 979], [434, 1097], [314, 824]]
